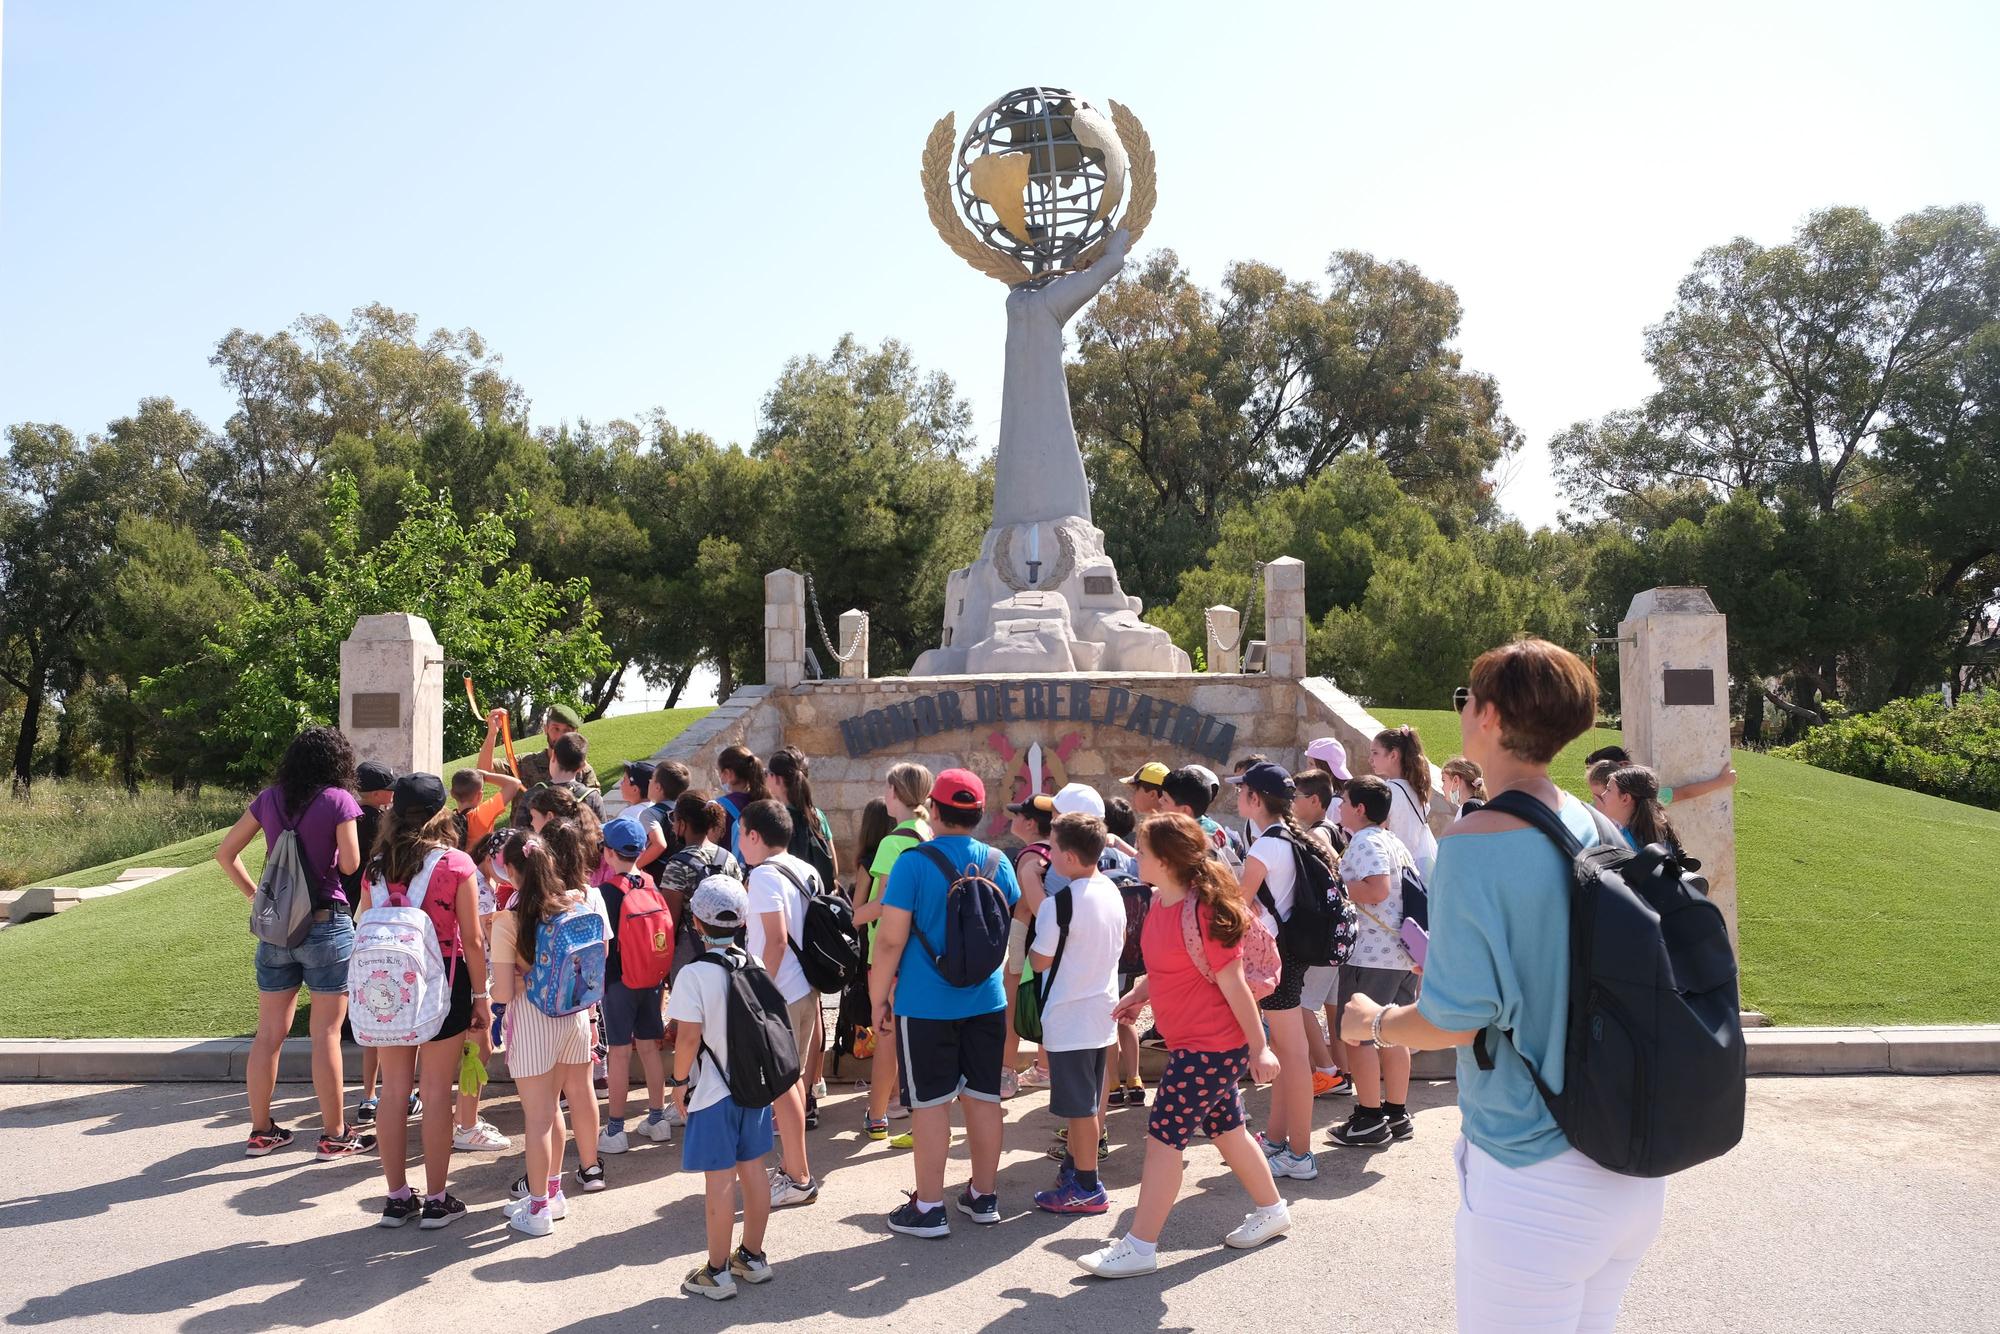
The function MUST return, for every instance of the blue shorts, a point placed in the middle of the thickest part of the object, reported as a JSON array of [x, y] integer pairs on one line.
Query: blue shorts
[[723, 1134], [630, 1014], [319, 961]]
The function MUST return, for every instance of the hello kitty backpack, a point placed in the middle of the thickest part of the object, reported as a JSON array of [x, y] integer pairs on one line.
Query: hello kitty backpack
[[398, 987]]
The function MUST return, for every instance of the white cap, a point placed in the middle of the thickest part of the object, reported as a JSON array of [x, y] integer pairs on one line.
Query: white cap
[[1329, 750], [1077, 799]]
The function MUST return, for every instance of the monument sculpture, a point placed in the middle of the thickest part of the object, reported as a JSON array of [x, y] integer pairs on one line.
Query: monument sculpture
[[1055, 192]]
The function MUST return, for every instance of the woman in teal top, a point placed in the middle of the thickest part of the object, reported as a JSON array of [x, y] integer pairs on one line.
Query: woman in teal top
[[1544, 1236]]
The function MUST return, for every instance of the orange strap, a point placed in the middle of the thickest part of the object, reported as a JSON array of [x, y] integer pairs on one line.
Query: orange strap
[[506, 728]]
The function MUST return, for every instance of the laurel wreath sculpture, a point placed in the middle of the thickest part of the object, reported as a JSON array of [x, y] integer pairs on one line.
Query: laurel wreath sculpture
[[943, 142]]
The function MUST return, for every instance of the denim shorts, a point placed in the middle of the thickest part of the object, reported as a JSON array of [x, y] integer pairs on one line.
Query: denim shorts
[[319, 961], [723, 1134]]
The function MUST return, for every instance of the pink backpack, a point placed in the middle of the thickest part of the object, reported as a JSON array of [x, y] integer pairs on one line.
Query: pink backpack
[[1261, 964]]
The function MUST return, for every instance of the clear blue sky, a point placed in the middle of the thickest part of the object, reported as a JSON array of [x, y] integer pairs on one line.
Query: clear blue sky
[[656, 205]]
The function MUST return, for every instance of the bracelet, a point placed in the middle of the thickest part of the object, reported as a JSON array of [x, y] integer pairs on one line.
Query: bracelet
[[1375, 1029], [681, 1082], [482, 995]]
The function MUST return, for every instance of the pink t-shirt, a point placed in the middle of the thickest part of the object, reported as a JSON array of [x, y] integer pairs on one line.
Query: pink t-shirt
[[454, 870], [1189, 1009]]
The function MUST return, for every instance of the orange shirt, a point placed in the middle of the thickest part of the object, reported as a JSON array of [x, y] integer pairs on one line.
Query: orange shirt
[[480, 819]]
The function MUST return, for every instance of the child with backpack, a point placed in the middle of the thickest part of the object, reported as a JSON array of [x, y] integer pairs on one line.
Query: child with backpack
[[416, 985], [742, 777], [778, 886], [1381, 967], [1203, 1004], [576, 849], [1317, 806], [701, 824], [1271, 880], [905, 789], [634, 789], [1029, 820], [812, 843], [1079, 934], [734, 1040], [1121, 822], [542, 955], [939, 953], [635, 973]]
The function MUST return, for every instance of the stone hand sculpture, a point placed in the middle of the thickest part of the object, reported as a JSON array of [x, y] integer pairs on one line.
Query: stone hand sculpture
[[1038, 468]]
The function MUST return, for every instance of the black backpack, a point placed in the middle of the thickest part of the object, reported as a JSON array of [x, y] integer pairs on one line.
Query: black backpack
[[831, 951], [763, 1054], [1138, 896], [1321, 930], [1653, 1059], [809, 844], [976, 920]]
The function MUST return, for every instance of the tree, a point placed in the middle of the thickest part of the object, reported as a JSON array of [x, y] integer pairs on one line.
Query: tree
[[274, 668], [1187, 402]]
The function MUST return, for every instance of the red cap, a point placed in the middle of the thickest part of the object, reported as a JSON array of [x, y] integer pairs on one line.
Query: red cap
[[959, 789]]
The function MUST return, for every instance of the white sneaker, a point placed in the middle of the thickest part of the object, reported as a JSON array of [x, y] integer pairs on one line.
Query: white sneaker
[[1118, 1260], [557, 1211], [660, 1131], [610, 1143], [675, 1117], [531, 1223], [819, 1090], [479, 1137], [1297, 1166], [1034, 1077], [785, 1191], [1259, 1227], [1010, 1083]]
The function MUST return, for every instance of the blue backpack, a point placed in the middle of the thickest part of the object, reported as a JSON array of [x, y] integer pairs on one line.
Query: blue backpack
[[976, 920], [568, 972]]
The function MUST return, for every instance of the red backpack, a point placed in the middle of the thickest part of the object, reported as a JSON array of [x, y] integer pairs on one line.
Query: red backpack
[[645, 935]]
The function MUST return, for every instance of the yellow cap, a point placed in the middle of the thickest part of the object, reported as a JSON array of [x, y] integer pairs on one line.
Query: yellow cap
[[1152, 775]]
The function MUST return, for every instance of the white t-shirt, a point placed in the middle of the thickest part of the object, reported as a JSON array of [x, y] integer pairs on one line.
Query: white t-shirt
[[1280, 874], [700, 996], [1408, 823], [772, 891], [1377, 944], [1077, 1014]]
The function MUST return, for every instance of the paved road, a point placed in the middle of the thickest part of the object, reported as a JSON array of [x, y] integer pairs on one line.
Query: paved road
[[1853, 1203]]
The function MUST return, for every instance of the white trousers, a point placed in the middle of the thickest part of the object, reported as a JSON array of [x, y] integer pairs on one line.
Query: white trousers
[[1548, 1247]]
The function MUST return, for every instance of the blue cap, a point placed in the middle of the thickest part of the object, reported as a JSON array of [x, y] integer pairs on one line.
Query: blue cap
[[626, 837]]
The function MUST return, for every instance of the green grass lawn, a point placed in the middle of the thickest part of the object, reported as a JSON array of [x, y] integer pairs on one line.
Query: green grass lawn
[[1857, 903], [64, 824], [172, 959]]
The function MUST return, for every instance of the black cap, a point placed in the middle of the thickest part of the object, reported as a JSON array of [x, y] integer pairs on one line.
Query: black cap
[[640, 772], [1039, 804], [1268, 780], [373, 776], [418, 792], [1185, 787]]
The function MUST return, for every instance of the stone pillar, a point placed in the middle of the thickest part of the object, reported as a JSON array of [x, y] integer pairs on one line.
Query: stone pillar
[[854, 643], [1673, 683], [1224, 626], [392, 692], [1285, 618], [784, 628]]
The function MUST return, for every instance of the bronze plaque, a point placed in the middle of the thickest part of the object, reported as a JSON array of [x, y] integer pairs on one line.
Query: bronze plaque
[[378, 710], [1102, 584], [1689, 685]]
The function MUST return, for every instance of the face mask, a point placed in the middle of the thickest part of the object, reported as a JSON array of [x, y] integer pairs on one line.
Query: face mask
[[718, 942]]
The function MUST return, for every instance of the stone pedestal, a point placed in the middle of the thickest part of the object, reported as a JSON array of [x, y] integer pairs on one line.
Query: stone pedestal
[[1223, 630], [854, 643], [1673, 679], [784, 628], [1043, 597], [392, 692], [1285, 618]]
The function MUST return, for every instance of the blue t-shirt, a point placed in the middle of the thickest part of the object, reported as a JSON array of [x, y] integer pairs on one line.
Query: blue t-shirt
[[1499, 959], [917, 886]]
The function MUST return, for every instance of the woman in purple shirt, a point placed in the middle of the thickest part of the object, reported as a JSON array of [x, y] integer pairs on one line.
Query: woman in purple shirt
[[312, 796]]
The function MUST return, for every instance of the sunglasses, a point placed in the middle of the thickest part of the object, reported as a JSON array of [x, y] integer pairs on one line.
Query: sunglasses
[[1459, 698]]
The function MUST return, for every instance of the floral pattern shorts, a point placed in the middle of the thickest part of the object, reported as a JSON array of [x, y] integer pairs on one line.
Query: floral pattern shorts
[[1198, 1091]]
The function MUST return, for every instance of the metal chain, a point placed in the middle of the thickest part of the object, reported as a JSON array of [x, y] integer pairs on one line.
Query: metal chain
[[1243, 621], [853, 646]]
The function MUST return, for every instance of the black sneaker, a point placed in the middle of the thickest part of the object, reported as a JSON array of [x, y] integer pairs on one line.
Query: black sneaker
[[442, 1213], [1400, 1125], [982, 1209], [416, 1106], [262, 1142], [1368, 1128], [365, 1113], [519, 1190], [914, 1222], [398, 1212], [812, 1114], [591, 1179], [344, 1145]]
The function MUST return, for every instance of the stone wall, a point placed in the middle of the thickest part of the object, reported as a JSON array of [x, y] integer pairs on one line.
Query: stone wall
[[1088, 726]]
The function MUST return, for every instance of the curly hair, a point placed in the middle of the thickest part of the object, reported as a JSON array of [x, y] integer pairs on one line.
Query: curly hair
[[317, 759], [1182, 845]]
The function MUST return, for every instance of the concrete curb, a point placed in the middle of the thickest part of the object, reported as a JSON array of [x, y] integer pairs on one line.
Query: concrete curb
[[1972, 1049]]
